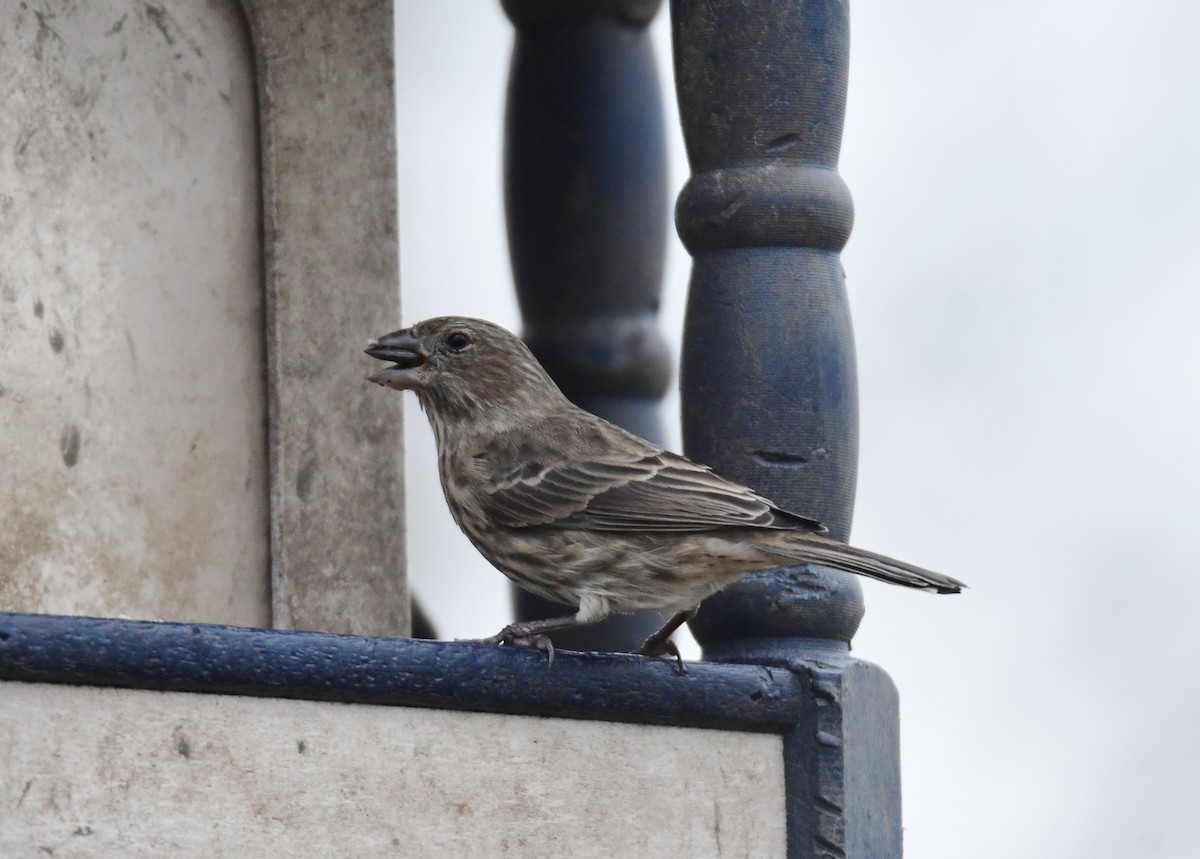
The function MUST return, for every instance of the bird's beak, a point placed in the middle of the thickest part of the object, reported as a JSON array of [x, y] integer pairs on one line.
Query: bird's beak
[[403, 349]]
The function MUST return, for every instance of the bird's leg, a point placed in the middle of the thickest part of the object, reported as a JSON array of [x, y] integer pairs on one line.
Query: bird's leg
[[535, 633], [660, 644], [653, 646]]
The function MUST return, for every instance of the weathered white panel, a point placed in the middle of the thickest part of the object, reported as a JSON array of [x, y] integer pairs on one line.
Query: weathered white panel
[[105, 772], [133, 460], [328, 115]]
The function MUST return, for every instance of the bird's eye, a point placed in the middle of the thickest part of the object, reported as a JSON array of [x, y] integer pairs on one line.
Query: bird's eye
[[458, 340]]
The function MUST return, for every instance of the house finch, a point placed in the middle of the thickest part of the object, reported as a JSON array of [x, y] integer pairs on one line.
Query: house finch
[[579, 511]]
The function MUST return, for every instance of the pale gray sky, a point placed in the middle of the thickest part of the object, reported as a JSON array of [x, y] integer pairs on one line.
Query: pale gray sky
[[1026, 290]]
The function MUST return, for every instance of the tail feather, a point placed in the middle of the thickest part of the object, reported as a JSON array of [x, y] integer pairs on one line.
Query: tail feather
[[831, 553]]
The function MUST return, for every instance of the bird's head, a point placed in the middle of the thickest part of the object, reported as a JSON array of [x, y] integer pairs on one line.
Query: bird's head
[[463, 368]]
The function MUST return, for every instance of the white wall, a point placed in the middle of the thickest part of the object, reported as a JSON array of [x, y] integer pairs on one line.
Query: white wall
[[152, 774], [133, 466]]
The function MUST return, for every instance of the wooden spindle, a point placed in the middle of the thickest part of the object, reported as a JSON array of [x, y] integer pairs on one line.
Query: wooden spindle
[[586, 200], [769, 393]]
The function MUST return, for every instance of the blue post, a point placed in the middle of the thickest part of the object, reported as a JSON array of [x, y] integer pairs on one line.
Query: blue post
[[769, 392], [586, 200]]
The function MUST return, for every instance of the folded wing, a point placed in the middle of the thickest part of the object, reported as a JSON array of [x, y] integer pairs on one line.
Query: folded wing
[[617, 484]]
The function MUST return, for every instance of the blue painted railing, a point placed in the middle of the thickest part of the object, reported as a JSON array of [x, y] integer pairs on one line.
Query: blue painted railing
[[317, 666]]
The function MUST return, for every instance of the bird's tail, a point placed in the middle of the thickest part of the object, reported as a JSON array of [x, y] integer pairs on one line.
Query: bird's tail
[[830, 553]]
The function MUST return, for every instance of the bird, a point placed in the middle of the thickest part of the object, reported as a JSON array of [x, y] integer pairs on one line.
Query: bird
[[582, 512]]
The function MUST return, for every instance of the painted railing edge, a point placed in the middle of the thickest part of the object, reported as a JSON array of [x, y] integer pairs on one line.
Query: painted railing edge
[[470, 676]]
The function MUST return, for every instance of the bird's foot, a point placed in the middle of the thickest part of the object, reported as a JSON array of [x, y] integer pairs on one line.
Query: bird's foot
[[659, 643], [521, 635], [662, 649]]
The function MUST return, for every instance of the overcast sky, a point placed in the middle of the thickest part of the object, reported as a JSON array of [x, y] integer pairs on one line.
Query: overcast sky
[[1025, 284]]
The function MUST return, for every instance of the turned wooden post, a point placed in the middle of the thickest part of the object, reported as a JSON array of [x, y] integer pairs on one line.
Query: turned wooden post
[[769, 394], [586, 199]]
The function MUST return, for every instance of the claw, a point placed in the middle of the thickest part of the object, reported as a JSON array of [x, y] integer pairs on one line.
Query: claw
[[544, 644], [521, 635], [663, 650]]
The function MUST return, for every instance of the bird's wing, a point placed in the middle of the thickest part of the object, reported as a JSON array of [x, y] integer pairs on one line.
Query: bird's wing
[[629, 485]]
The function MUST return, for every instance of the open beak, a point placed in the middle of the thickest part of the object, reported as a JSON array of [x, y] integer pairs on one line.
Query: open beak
[[403, 349]]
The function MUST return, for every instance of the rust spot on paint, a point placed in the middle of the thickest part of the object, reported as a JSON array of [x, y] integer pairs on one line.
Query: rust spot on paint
[[784, 142], [728, 210], [781, 457]]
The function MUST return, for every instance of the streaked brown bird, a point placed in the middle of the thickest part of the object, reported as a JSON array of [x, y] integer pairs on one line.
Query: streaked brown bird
[[579, 511]]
